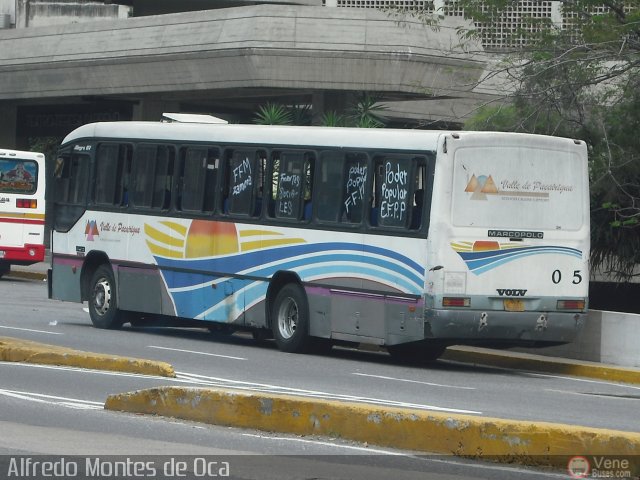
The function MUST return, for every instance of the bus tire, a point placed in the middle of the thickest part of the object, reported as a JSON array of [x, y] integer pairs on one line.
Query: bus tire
[[103, 301], [5, 268], [290, 319], [417, 353]]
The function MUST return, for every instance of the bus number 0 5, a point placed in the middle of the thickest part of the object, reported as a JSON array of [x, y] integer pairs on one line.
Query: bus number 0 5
[[556, 276]]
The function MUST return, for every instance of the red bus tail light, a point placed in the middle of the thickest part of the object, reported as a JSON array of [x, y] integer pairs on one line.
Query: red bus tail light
[[26, 203], [570, 305], [456, 302]]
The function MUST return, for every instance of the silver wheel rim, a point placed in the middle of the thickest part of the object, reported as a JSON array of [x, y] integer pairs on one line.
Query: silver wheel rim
[[287, 318], [102, 296]]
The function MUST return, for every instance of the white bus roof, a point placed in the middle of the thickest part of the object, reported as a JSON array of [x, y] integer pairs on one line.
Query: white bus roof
[[370, 138], [6, 153], [420, 140]]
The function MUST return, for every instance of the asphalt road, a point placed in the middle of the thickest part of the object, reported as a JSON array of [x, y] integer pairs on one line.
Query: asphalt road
[[54, 426], [54, 410]]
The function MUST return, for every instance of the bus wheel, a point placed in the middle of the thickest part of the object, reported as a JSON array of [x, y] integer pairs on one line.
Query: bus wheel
[[290, 319], [417, 353], [4, 268], [103, 304]]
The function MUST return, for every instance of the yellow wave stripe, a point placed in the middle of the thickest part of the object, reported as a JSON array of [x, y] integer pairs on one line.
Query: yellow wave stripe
[[504, 246], [462, 246], [181, 229], [164, 252], [251, 233], [276, 242], [37, 216], [161, 237]]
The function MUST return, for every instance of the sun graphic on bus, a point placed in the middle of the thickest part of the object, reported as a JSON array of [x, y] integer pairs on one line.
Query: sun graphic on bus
[[480, 186], [205, 239]]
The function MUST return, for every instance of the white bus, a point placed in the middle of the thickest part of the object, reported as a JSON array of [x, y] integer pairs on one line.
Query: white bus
[[413, 240], [22, 207]]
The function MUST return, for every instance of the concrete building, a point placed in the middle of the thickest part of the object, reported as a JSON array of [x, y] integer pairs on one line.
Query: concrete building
[[61, 67]]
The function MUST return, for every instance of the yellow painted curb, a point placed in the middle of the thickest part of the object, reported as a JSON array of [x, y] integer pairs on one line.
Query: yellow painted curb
[[17, 350], [533, 363], [27, 274], [528, 443]]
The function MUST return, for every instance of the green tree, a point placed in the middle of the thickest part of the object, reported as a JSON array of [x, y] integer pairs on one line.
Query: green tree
[[364, 111], [577, 79], [273, 114]]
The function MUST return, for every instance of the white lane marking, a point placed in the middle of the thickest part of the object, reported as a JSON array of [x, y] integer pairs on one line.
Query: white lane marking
[[460, 463], [327, 444], [489, 466], [196, 353], [412, 381], [205, 381], [584, 380], [266, 388], [76, 403], [31, 330], [85, 309]]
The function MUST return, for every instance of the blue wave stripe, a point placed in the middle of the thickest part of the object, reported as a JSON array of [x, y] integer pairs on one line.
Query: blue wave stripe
[[194, 302], [245, 261], [512, 251], [481, 262], [177, 279]]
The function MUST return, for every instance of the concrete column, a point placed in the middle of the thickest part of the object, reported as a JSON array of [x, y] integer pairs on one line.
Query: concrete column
[[317, 108], [329, 100], [151, 109], [8, 114], [22, 13]]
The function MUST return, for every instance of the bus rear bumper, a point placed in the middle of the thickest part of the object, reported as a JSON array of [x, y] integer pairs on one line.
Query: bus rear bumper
[[504, 328], [25, 255]]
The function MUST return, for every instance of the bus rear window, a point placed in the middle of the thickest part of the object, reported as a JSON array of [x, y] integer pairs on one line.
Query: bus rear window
[[18, 176], [518, 187]]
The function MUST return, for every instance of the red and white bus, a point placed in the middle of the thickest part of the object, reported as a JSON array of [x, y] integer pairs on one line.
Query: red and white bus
[[22, 206]]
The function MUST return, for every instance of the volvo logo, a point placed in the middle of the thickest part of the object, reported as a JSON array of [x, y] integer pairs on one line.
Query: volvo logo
[[511, 292]]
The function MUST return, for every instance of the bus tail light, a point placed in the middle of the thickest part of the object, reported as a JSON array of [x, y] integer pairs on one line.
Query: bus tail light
[[570, 305], [456, 302], [26, 203]]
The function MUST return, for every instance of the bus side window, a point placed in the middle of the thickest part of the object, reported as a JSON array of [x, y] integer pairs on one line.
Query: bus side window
[[126, 153], [416, 209], [163, 178], [421, 189], [61, 174], [309, 166], [392, 191], [211, 179], [291, 182], [355, 182], [197, 178], [152, 176], [328, 189], [243, 178], [71, 175], [112, 163]]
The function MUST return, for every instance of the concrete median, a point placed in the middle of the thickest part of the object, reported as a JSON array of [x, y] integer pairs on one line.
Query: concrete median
[[539, 363], [527, 443], [17, 350]]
